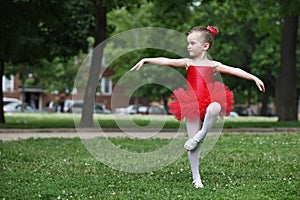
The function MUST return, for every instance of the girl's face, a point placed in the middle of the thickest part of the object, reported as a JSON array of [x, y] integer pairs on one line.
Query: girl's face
[[195, 45]]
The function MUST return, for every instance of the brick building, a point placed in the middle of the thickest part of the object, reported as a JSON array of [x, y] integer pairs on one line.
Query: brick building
[[39, 99]]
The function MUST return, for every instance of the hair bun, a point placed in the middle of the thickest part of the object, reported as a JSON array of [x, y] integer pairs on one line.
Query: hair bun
[[212, 30]]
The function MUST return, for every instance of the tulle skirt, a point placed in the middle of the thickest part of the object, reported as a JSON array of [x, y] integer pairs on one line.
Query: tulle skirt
[[193, 104]]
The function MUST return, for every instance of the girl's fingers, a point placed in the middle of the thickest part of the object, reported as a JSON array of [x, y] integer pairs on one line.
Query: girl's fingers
[[134, 68], [137, 66], [261, 86]]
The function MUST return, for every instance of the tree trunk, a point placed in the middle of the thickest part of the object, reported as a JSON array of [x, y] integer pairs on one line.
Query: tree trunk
[[286, 89], [95, 69], [249, 102], [166, 105], [2, 118], [23, 77], [265, 109]]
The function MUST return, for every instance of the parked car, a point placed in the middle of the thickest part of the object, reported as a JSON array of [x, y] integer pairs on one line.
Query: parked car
[[10, 100], [17, 107], [131, 109], [143, 110], [157, 109], [140, 109], [233, 114], [10, 107], [98, 108]]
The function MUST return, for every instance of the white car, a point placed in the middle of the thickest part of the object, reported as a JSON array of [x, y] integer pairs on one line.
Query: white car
[[10, 104], [10, 100], [131, 109], [17, 107]]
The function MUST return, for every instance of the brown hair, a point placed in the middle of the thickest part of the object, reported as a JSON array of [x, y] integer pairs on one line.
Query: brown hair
[[207, 33]]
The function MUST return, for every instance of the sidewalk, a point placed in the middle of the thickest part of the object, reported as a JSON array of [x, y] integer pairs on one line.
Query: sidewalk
[[15, 134]]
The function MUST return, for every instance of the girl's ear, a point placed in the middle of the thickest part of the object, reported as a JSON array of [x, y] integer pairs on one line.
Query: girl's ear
[[206, 46]]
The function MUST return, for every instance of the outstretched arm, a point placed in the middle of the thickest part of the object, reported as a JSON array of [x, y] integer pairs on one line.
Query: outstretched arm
[[240, 73], [160, 61]]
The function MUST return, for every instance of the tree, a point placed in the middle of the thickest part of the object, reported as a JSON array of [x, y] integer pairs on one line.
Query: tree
[[100, 12], [58, 74], [2, 118], [248, 34], [286, 87], [34, 30], [94, 72], [266, 57], [142, 16], [265, 20]]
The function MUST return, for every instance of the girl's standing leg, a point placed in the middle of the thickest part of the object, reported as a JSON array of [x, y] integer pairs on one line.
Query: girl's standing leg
[[193, 127], [211, 116]]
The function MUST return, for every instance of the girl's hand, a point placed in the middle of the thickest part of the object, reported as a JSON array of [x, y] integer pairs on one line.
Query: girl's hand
[[259, 84], [138, 65]]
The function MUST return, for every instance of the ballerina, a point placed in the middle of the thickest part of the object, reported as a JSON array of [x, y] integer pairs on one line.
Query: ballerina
[[212, 98]]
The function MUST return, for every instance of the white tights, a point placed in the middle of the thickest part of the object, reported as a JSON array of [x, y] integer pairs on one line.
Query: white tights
[[193, 126]]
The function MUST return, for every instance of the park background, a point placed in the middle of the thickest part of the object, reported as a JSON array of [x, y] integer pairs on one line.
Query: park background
[[43, 44]]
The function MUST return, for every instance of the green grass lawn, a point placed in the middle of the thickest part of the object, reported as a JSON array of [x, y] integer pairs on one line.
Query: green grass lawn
[[239, 167], [54, 120]]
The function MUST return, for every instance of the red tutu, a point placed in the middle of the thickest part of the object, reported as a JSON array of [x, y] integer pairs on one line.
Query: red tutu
[[201, 91]]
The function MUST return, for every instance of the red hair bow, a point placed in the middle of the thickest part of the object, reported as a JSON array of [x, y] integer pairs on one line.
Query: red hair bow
[[213, 30]]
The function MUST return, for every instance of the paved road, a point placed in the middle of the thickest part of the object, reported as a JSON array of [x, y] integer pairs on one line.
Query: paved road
[[16, 134]]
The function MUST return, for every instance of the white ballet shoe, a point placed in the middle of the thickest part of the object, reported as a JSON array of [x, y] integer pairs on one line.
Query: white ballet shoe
[[198, 183], [191, 144]]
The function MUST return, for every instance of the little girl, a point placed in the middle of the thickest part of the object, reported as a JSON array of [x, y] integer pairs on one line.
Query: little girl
[[205, 99]]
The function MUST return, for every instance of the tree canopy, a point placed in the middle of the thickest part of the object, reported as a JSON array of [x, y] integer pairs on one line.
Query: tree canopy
[[249, 38], [35, 30]]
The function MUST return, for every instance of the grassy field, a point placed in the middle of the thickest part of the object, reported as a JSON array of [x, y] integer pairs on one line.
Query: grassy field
[[239, 167], [53, 120]]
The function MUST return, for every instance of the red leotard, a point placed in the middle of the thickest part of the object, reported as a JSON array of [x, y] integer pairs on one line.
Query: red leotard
[[201, 91]]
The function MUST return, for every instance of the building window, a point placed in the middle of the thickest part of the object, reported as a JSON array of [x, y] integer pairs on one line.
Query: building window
[[8, 83], [106, 86]]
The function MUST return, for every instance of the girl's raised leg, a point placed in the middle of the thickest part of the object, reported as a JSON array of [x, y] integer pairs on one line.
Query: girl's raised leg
[[211, 116]]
